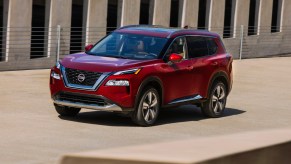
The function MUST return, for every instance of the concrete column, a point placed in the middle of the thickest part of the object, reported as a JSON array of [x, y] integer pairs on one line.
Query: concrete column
[[286, 16], [96, 19], [18, 39], [215, 21], [265, 17], [162, 9], [60, 14], [119, 12], [130, 12], [241, 16], [151, 11], [190, 13]]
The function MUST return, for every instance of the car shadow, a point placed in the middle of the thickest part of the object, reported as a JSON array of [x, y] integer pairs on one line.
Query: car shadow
[[167, 116]]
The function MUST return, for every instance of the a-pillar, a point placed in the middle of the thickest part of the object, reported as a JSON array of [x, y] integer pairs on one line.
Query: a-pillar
[[162, 10], [18, 39]]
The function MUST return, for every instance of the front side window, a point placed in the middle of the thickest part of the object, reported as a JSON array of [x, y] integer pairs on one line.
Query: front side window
[[178, 47], [129, 46]]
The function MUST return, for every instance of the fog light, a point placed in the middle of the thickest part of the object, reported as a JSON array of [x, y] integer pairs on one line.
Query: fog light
[[55, 76], [117, 83]]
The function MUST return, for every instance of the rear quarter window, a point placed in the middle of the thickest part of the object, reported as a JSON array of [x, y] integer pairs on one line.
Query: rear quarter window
[[212, 46]]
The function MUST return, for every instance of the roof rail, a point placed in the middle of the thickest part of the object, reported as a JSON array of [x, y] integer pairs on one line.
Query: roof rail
[[139, 25], [187, 29]]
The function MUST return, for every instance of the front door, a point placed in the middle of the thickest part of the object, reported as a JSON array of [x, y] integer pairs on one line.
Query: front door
[[178, 79]]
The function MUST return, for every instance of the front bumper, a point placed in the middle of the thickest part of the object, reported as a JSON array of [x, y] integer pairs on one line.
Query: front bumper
[[117, 98]]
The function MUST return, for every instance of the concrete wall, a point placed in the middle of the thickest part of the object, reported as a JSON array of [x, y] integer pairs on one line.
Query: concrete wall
[[58, 12]]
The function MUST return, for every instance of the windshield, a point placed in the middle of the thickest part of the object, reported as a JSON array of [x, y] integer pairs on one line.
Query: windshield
[[129, 46]]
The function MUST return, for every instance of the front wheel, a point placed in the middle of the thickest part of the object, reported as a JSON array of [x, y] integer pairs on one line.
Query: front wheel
[[67, 111], [148, 108], [215, 105]]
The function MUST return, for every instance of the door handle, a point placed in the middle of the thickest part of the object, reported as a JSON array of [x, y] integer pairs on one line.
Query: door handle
[[190, 68], [214, 63]]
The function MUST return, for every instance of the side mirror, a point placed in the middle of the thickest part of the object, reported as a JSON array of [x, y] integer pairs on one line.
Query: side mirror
[[175, 58], [88, 47]]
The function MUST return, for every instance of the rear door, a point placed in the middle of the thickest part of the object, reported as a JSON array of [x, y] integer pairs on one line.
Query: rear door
[[201, 52]]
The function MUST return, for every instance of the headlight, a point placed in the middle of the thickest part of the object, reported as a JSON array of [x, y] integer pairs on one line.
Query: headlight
[[130, 71], [55, 75], [117, 83]]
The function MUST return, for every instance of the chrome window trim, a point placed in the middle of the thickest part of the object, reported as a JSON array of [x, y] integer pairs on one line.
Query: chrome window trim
[[83, 87]]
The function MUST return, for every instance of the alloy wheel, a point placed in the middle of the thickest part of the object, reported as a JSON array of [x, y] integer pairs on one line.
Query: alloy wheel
[[150, 106], [218, 99]]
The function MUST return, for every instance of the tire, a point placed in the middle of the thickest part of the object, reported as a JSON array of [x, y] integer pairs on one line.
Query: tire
[[67, 111], [147, 110], [215, 104]]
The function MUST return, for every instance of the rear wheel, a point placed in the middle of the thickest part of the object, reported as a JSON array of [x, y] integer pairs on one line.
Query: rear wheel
[[148, 108], [67, 111], [215, 105]]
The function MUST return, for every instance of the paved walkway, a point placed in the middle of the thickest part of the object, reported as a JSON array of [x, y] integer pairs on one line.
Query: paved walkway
[[32, 132]]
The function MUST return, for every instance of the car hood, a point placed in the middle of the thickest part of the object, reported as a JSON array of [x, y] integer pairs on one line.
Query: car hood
[[83, 61]]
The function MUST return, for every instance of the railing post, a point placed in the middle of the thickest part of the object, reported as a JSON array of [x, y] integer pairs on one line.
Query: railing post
[[58, 42], [241, 41]]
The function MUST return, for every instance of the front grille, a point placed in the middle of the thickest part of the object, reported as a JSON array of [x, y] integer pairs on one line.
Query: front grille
[[85, 99], [90, 77]]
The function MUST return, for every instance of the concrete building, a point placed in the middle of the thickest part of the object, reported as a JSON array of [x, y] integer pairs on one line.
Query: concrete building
[[35, 32]]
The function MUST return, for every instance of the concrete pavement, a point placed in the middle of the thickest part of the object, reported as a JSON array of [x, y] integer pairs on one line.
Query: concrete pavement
[[32, 132]]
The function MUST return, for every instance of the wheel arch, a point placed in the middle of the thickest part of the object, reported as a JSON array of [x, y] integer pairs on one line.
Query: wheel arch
[[150, 81], [219, 76]]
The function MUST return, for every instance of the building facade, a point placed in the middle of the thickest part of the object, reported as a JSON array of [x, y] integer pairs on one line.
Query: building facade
[[34, 33]]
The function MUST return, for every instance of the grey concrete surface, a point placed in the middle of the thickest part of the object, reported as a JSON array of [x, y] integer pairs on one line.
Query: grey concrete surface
[[32, 132]]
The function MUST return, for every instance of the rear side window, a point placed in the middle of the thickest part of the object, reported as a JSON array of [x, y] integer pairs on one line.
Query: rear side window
[[200, 46]]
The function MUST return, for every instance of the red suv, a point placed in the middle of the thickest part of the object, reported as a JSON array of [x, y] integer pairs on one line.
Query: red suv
[[137, 70]]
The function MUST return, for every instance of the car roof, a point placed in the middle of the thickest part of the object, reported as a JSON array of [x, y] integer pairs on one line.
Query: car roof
[[163, 32]]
